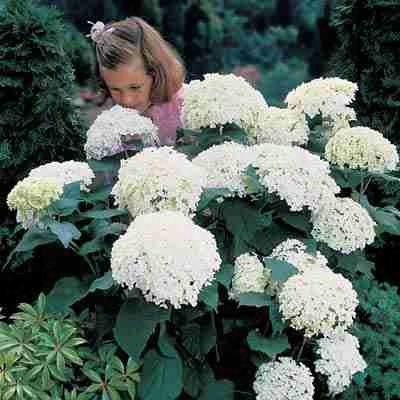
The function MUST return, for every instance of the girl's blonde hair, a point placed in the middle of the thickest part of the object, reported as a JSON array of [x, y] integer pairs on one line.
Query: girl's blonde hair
[[122, 41]]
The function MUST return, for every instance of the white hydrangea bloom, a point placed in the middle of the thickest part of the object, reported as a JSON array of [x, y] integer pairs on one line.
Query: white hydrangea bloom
[[297, 176], [340, 360], [32, 196], [225, 164], [362, 147], [159, 179], [66, 172], [343, 224], [283, 379], [249, 276], [221, 99], [104, 137], [295, 252], [328, 96], [166, 256], [280, 126], [318, 300]]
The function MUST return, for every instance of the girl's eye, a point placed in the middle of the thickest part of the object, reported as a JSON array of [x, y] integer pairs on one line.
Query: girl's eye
[[134, 87]]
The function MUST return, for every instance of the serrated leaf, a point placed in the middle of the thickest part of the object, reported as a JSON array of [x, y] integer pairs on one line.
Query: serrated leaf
[[269, 346], [254, 299], [135, 323], [65, 231], [103, 283], [280, 270]]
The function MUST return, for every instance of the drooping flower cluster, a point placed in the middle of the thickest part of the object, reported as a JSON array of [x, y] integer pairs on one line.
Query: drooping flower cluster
[[225, 164], [221, 99], [343, 224], [112, 127], [32, 196], [297, 176], [294, 252], [249, 276], [283, 379], [158, 179], [66, 172], [328, 96], [317, 301], [279, 126], [361, 147], [166, 256], [340, 360]]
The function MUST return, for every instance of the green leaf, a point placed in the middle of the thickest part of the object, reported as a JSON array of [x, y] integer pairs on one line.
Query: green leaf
[[209, 295], [92, 246], [72, 191], [34, 238], [254, 299], [269, 346], [281, 270], [216, 390], [162, 377], [192, 382], [65, 207], [387, 218], [252, 181], [65, 293], [298, 221], [209, 195], [225, 274], [100, 214], [278, 325], [103, 283], [135, 323], [65, 231]]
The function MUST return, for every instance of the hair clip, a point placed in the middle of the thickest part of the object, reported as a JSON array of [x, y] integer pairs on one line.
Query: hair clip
[[96, 31]]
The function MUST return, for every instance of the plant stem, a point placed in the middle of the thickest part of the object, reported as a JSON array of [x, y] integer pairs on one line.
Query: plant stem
[[301, 349], [216, 336]]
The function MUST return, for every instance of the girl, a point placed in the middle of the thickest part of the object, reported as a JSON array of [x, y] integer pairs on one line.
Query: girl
[[140, 70]]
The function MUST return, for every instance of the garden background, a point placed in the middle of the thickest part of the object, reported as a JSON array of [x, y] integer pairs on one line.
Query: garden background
[[48, 100]]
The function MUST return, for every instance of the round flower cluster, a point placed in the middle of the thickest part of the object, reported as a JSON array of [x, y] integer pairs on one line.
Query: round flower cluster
[[166, 256], [158, 179], [31, 197], [343, 224], [283, 379], [295, 252], [340, 360], [221, 99], [280, 126], [361, 147], [66, 172], [328, 96], [225, 164], [105, 136], [318, 300], [249, 276], [297, 176]]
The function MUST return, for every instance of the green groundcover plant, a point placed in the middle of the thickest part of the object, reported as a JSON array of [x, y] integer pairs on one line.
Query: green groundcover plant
[[230, 264]]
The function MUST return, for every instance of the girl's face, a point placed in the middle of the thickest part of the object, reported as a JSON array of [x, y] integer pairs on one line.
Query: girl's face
[[129, 85]]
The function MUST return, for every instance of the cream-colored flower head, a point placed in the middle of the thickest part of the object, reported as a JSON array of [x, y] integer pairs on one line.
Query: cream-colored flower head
[[317, 301], [294, 252], [104, 137], [362, 147], [343, 224], [279, 126], [159, 179], [32, 196], [329, 97], [294, 174], [225, 164], [283, 379], [66, 172], [221, 99], [339, 360], [249, 276], [166, 256]]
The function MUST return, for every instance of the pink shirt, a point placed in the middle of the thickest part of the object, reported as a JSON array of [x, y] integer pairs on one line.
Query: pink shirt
[[167, 117]]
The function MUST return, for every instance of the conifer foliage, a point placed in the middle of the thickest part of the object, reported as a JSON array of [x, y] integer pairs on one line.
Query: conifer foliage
[[38, 122]]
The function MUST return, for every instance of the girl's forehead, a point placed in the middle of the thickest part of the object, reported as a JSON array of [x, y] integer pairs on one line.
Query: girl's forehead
[[123, 75]]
